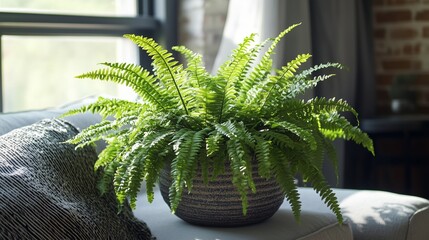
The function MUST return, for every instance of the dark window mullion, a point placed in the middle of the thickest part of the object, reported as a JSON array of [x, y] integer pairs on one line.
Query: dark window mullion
[[45, 24], [145, 7]]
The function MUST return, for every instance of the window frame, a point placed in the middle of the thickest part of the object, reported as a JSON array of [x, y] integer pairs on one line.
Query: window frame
[[154, 18]]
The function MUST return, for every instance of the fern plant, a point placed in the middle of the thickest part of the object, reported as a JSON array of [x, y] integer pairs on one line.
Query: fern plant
[[191, 119]]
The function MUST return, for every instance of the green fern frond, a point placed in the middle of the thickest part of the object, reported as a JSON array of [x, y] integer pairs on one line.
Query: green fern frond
[[197, 73], [198, 80], [157, 151], [264, 67], [320, 105], [285, 177], [143, 83], [103, 130], [107, 107], [334, 126], [213, 143], [299, 109], [240, 164], [313, 174], [332, 156], [168, 71], [281, 140], [119, 178], [231, 72], [282, 80], [305, 79], [263, 156], [187, 145], [109, 153], [105, 182], [304, 134]]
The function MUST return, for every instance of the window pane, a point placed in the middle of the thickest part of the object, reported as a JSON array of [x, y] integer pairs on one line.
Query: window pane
[[77, 7], [39, 72]]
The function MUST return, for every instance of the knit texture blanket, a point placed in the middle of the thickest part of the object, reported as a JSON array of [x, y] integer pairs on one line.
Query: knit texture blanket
[[48, 189]]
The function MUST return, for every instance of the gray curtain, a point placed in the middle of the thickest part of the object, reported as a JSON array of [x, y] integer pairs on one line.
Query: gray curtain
[[341, 32], [331, 30]]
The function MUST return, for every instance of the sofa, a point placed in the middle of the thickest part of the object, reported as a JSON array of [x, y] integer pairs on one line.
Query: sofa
[[369, 214]]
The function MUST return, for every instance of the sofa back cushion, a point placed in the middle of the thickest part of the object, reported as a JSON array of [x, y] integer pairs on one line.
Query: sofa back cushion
[[48, 189]]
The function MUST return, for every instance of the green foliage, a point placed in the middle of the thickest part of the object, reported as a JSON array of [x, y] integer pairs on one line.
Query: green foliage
[[248, 112]]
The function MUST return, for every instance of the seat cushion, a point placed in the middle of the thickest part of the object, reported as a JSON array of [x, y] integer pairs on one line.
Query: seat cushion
[[282, 226], [385, 215], [48, 189], [377, 214]]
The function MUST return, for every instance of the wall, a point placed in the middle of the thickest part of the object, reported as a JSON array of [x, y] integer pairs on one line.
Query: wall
[[401, 34]]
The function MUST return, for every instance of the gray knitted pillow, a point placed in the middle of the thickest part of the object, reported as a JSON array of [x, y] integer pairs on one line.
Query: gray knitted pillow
[[48, 189]]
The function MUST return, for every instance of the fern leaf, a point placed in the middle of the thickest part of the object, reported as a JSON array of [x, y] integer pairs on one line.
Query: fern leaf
[[305, 79], [315, 177], [240, 164], [279, 139], [106, 107], [334, 126], [158, 150], [231, 71], [263, 68], [304, 134], [186, 144], [285, 177], [166, 68], [195, 68], [282, 80], [262, 154]]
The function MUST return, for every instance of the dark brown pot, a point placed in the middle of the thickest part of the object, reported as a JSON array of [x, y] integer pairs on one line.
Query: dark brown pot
[[219, 204]]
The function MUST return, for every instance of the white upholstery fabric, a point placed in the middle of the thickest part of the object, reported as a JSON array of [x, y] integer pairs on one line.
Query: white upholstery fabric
[[377, 214], [314, 225], [369, 215], [384, 215]]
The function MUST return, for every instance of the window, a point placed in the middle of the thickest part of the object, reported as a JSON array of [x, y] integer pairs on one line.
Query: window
[[44, 44]]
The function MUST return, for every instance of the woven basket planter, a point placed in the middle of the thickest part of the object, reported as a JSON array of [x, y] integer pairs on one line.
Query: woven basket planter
[[219, 204]]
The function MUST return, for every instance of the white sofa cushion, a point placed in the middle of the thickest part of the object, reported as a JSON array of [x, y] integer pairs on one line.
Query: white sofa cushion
[[315, 224], [377, 214]]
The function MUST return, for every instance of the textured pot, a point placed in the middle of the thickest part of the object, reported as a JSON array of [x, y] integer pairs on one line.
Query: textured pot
[[219, 204]]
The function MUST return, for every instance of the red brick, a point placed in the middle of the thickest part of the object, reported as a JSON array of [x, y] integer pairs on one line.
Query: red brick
[[425, 33], [382, 95], [393, 2], [383, 108], [422, 15], [402, 2], [412, 49], [423, 109], [380, 33], [378, 2], [422, 79], [393, 16], [384, 79], [403, 33], [400, 64]]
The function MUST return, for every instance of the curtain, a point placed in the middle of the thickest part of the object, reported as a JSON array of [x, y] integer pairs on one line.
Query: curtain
[[331, 30]]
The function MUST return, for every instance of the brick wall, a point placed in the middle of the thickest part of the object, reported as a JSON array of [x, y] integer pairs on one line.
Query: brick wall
[[401, 38]]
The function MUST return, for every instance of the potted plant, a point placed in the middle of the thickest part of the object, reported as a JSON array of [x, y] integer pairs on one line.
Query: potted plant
[[245, 125]]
